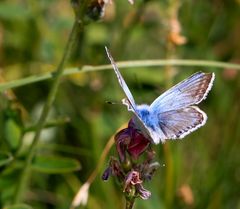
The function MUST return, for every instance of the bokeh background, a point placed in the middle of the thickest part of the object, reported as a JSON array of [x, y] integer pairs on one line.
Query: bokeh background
[[201, 171]]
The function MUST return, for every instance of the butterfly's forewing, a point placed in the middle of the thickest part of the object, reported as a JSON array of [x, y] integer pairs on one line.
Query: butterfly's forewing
[[129, 101], [190, 91]]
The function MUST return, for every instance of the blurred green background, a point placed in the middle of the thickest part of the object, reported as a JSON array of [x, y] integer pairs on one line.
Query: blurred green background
[[201, 171]]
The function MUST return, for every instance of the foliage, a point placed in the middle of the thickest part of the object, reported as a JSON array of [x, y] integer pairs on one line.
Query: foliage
[[201, 171]]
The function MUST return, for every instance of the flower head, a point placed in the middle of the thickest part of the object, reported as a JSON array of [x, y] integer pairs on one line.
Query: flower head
[[130, 170], [130, 140]]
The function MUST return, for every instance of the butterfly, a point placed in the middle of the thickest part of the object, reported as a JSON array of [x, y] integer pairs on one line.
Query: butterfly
[[172, 115]]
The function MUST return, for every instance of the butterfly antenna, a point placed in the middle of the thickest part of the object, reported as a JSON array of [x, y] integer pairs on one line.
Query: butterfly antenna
[[113, 103]]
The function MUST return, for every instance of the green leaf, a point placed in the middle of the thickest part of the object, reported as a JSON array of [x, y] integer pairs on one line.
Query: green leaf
[[10, 11], [12, 133], [55, 164], [5, 158], [18, 206]]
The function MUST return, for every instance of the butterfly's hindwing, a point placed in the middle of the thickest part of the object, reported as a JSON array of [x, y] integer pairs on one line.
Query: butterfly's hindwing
[[175, 124]]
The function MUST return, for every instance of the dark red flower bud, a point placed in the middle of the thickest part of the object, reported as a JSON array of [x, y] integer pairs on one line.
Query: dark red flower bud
[[132, 141]]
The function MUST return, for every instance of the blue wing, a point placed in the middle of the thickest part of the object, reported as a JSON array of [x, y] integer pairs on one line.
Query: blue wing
[[190, 91], [176, 124], [173, 114]]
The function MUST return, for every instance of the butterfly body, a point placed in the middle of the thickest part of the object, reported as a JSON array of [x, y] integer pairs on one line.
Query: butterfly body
[[144, 112], [174, 114]]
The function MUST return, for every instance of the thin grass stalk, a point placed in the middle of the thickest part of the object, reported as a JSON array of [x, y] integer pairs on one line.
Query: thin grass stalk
[[76, 202], [122, 65]]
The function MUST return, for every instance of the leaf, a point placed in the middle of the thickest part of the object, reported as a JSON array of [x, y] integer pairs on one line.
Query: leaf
[[5, 158], [18, 206], [12, 133], [55, 164], [10, 11]]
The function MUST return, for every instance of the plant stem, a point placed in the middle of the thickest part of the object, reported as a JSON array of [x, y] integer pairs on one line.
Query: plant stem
[[41, 122], [130, 203]]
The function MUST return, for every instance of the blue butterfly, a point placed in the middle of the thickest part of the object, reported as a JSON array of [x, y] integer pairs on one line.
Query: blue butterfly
[[172, 115]]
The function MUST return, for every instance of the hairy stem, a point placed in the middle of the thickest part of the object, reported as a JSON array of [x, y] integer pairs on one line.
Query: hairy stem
[[24, 178], [130, 203]]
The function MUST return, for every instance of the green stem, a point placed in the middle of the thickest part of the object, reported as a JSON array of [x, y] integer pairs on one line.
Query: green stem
[[130, 203], [50, 99], [126, 64]]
